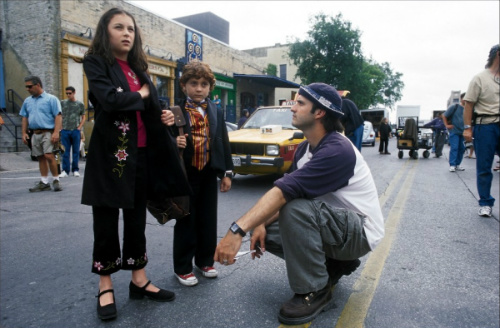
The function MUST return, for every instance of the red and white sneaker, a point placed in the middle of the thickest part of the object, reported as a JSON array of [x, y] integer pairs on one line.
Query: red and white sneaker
[[208, 271], [187, 279]]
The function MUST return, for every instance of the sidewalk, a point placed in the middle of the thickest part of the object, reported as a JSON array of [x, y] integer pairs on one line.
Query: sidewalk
[[17, 161]]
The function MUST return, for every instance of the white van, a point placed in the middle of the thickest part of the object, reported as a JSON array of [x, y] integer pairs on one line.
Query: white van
[[368, 134]]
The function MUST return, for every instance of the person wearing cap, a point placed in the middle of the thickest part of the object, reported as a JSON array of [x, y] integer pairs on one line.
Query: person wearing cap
[[482, 109], [320, 218]]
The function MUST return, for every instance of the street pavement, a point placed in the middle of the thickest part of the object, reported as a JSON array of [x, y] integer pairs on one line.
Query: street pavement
[[438, 265]]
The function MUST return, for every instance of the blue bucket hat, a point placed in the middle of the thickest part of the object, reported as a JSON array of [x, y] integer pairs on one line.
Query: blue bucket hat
[[323, 96]]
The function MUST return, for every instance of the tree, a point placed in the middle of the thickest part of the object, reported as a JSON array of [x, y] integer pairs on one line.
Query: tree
[[332, 54], [271, 70]]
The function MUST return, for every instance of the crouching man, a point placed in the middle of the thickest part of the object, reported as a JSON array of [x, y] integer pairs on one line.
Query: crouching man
[[322, 217]]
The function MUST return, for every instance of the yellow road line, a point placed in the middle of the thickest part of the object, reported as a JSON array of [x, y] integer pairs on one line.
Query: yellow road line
[[356, 308], [305, 325], [392, 185]]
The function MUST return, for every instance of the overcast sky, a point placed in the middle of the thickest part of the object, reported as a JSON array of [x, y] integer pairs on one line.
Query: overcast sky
[[438, 46]]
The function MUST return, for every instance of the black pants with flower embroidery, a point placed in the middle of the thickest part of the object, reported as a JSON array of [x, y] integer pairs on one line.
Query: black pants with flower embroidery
[[107, 258]]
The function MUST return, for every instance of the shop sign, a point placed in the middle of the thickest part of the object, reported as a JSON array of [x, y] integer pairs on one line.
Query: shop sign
[[225, 85], [158, 69], [194, 46], [77, 50]]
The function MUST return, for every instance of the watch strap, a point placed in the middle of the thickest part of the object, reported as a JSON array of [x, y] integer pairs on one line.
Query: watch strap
[[235, 228]]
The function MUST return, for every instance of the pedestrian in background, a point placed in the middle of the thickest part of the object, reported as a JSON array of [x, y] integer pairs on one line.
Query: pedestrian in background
[[217, 102], [131, 157], [41, 113], [73, 118], [244, 117], [352, 122], [453, 119], [206, 154], [482, 110], [384, 133], [320, 218], [439, 130]]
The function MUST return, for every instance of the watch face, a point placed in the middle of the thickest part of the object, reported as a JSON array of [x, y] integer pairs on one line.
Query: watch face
[[234, 228]]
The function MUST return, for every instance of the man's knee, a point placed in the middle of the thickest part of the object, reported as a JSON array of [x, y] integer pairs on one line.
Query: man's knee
[[49, 157], [297, 209]]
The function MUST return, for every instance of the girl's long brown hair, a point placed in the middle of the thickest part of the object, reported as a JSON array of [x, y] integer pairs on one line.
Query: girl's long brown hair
[[100, 46]]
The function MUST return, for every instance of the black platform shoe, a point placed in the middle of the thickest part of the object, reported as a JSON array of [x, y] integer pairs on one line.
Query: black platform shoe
[[106, 312], [139, 292]]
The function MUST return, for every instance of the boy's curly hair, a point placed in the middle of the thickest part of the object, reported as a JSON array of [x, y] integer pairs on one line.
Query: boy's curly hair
[[196, 69]]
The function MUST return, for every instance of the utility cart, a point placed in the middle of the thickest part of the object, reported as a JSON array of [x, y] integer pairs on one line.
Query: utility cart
[[410, 137]]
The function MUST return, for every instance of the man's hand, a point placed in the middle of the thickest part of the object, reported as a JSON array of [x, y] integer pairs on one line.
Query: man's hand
[[167, 117], [25, 138], [55, 137], [468, 135], [258, 239], [227, 248]]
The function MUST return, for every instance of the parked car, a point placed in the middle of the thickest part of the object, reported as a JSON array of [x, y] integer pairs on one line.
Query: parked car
[[368, 134], [393, 129], [266, 143], [231, 126]]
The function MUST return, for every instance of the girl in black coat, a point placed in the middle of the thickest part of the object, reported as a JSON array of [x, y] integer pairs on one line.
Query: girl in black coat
[[132, 157]]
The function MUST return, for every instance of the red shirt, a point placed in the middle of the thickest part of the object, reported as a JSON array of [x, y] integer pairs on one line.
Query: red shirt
[[135, 85]]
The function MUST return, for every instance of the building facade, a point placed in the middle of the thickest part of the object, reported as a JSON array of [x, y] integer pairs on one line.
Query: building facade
[[453, 99], [278, 55], [49, 38]]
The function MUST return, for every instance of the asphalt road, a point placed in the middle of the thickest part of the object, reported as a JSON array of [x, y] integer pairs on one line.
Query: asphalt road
[[438, 265]]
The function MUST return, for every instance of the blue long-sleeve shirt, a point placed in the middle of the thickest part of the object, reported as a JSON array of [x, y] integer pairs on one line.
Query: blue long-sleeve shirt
[[437, 124]]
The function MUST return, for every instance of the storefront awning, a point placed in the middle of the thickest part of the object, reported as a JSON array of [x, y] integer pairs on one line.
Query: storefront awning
[[272, 81]]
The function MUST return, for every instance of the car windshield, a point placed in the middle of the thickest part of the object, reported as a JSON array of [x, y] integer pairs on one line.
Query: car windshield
[[270, 116]]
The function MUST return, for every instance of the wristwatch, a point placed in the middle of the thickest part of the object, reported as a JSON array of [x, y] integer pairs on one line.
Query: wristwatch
[[466, 126], [228, 174], [236, 229]]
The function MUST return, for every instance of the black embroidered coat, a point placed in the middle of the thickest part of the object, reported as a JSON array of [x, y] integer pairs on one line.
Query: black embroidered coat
[[111, 161]]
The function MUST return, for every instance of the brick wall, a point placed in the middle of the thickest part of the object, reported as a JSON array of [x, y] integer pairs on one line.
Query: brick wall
[[31, 43]]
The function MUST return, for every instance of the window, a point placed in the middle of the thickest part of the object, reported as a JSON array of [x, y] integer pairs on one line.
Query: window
[[162, 86], [283, 71]]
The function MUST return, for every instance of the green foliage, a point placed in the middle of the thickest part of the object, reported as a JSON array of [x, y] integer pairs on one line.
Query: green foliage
[[332, 54], [271, 70]]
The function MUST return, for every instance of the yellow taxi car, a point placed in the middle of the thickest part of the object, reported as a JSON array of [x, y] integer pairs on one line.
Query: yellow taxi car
[[267, 142]]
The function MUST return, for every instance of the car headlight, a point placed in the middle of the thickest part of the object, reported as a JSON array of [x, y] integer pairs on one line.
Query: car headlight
[[272, 150]]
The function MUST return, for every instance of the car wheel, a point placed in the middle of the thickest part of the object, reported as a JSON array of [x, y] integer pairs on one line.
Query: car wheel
[[400, 154]]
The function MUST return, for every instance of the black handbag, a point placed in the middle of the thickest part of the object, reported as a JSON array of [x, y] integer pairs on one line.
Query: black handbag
[[172, 208], [169, 209]]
